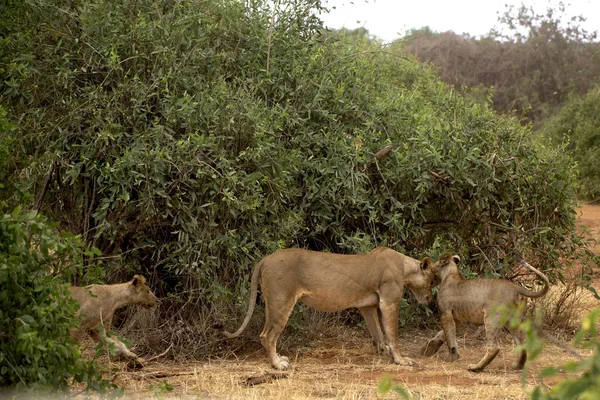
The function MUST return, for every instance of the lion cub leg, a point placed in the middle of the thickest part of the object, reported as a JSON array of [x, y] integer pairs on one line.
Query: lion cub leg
[[389, 314], [433, 345], [492, 349], [449, 326], [372, 321], [122, 350], [275, 320], [517, 336]]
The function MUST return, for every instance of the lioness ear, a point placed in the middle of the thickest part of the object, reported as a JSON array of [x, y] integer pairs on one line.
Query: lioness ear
[[426, 263], [138, 280], [456, 259]]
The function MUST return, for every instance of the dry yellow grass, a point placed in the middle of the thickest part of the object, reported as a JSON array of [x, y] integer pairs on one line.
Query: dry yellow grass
[[346, 368]]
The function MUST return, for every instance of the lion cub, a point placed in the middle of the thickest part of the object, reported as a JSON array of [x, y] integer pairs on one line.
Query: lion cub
[[98, 303], [460, 300], [333, 282]]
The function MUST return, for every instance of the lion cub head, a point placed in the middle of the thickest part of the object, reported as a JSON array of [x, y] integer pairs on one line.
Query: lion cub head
[[140, 293], [446, 266]]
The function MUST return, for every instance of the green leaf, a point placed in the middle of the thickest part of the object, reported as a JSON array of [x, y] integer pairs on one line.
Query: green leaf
[[548, 372], [385, 385], [16, 212], [401, 391]]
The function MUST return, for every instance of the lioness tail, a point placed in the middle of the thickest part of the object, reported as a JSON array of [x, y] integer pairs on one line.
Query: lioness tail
[[251, 303], [531, 293]]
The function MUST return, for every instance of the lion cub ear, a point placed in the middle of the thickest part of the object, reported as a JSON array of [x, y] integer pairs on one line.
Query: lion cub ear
[[138, 280], [426, 263], [456, 259]]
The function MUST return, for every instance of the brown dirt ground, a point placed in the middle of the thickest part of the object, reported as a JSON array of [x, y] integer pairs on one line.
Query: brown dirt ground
[[345, 367]]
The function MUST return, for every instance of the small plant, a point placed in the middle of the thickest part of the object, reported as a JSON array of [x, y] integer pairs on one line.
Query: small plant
[[386, 385], [161, 388]]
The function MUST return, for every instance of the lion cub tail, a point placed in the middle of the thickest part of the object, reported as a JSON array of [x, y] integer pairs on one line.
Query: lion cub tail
[[531, 293], [251, 303]]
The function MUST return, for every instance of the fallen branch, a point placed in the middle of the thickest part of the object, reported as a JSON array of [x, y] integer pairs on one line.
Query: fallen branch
[[151, 376], [160, 355], [267, 377]]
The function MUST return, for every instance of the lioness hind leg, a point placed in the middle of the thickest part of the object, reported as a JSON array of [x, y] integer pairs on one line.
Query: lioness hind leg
[[372, 321], [517, 336], [433, 345], [275, 320], [492, 332]]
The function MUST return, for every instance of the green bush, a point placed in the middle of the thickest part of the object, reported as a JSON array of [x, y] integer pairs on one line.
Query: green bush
[[35, 315], [192, 138], [578, 124]]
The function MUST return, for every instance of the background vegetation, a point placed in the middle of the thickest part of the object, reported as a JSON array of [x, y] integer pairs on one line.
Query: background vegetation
[[186, 140], [532, 60], [578, 125]]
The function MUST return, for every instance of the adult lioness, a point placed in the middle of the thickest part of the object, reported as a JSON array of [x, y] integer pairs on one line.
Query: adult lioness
[[98, 304], [460, 300], [334, 282]]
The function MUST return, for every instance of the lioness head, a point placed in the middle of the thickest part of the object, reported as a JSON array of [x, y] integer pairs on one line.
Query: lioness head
[[421, 287], [141, 293]]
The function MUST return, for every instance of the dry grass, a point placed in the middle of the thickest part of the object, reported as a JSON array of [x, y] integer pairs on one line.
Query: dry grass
[[344, 368], [565, 306]]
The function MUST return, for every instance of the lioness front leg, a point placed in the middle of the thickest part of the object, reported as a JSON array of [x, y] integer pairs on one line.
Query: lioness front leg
[[450, 333], [389, 314]]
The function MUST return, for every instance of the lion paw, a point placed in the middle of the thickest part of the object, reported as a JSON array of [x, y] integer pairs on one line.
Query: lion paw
[[518, 365], [454, 354], [474, 368], [135, 363], [405, 361], [382, 348], [281, 363]]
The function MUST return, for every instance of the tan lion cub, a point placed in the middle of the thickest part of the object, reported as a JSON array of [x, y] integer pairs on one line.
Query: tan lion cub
[[98, 304], [460, 300], [333, 282]]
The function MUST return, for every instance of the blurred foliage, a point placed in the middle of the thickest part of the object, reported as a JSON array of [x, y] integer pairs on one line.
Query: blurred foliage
[[386, 385], [578, 125], [189, 139], [36, 353], [583, 376], [532, 61]]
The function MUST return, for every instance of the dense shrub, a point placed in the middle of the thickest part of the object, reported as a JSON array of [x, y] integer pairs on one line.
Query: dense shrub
[[35, 315], [578, 124], [192, 138]]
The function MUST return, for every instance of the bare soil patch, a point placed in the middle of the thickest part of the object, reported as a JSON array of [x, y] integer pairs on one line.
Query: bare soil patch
[[589, 217], [346, 367]]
